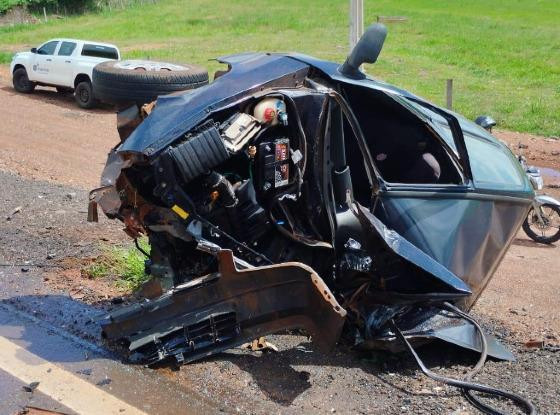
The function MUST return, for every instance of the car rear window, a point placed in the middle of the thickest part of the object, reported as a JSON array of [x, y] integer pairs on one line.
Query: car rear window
[[98, 51]]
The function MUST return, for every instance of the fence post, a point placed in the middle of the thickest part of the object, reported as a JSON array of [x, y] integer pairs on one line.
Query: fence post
[[449, 94]]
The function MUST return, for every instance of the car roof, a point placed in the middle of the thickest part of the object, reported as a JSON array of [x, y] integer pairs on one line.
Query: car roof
[[83, 41]]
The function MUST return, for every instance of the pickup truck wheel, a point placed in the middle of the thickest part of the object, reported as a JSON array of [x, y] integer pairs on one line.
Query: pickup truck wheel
[[84, 95], [21, 81], [140, 81]]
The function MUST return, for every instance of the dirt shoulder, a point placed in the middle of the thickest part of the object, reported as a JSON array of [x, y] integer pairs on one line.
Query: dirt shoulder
[[45, 136], [541, 151]]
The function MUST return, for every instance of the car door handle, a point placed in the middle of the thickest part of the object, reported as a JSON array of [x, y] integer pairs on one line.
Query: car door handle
[[49, 60], [68, 61]]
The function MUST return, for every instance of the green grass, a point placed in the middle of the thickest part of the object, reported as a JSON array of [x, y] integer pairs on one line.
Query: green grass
[[126, 264], [504, 56], [5, 57]]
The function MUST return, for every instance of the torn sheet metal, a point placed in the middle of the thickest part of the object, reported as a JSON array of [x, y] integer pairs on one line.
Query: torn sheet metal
[[430, 323], [424, 279]]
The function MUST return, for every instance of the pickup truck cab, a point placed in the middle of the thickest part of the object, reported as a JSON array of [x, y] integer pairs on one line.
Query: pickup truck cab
[[66, 64]]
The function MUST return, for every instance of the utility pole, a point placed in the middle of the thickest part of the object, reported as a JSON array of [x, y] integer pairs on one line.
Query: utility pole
[[356, 21]]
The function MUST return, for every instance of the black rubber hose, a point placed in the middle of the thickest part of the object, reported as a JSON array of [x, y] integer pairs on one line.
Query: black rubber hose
[[140, 248], [469, 396], [484, 353], [199, 154], [466, 385]]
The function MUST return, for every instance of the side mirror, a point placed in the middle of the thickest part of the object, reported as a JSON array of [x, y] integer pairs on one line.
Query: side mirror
[[486, 122], [33, 50], [367, 50]]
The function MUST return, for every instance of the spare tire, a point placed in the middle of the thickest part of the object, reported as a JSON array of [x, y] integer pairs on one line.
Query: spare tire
[[143, 81]]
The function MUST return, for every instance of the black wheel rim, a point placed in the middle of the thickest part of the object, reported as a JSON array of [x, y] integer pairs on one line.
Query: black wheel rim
[[22, 81], [84, 95]]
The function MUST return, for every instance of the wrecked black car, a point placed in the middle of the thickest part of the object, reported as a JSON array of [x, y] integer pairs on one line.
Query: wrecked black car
[[293, 192]]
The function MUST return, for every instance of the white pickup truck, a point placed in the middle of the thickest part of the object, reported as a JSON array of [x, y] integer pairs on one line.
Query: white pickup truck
[[66, 64]]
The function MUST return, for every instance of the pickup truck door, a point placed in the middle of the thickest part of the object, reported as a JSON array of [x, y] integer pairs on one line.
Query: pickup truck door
[[43, 63], [63, 72]]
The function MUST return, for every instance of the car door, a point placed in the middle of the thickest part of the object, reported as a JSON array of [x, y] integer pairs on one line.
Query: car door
[[466, 215], [43, 63], [402, 266], [63, 64]]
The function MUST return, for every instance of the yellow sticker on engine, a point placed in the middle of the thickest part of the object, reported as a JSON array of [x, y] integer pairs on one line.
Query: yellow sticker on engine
[[180, 211]]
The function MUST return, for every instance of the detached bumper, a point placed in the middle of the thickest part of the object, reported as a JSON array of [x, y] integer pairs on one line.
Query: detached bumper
[[220, 311]]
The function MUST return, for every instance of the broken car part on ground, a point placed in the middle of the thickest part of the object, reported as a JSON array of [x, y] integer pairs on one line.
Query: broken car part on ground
[[293, 192]]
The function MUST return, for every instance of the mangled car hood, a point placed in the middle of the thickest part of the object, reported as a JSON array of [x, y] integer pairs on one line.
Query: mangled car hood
[[175, 114]]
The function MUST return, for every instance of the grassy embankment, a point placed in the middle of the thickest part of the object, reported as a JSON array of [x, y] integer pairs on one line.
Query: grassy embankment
[[505, 59]]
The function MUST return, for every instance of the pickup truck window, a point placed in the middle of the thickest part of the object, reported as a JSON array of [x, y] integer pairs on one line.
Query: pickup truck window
[[66, 48], [98, 51], [48, 48]]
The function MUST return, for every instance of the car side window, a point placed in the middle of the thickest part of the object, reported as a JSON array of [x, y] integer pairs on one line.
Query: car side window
[[66, 49], [405, 149], [48, 48], [491, 166]]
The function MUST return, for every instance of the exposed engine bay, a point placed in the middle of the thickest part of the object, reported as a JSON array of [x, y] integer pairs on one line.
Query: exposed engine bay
[[233, 181]]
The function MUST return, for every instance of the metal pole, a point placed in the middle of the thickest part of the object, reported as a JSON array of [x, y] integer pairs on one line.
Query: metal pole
[[45, 14], [449, 94], [356, 21]]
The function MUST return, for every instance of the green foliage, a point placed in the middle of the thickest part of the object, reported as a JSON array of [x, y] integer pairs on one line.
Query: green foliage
[[504, 59], [69, 6], [6, 5], [5, 57], [72, 6], [99, 269], [126, 264]]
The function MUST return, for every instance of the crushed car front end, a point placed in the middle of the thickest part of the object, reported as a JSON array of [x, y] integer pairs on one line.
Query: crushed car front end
[[285, 194]]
